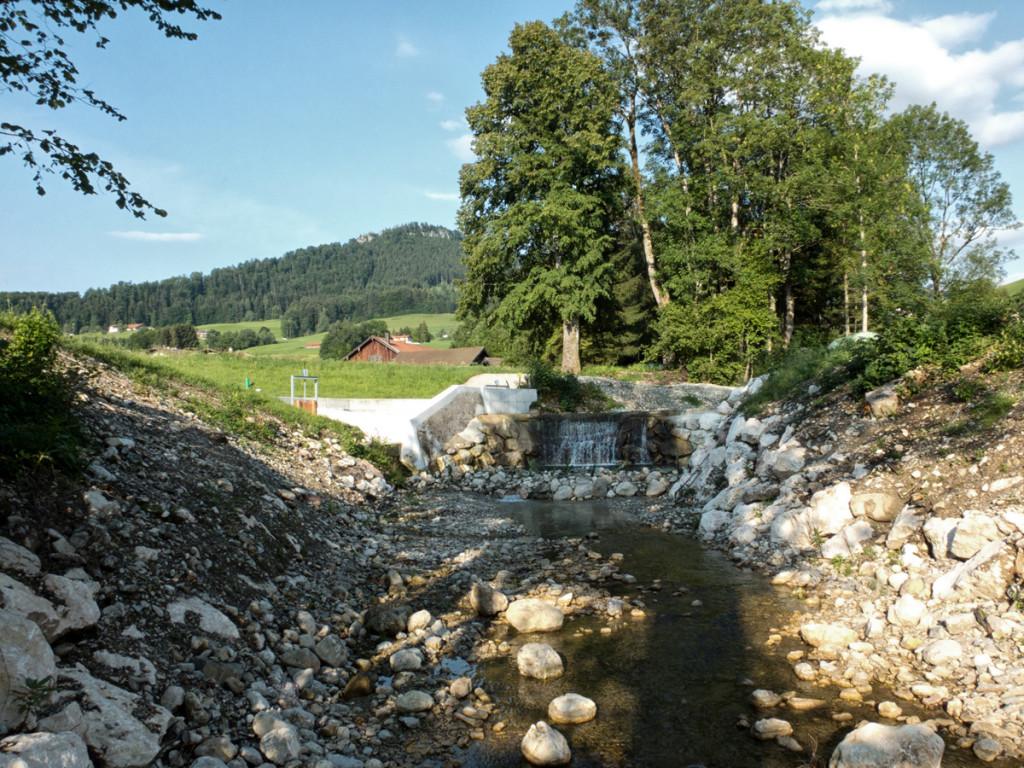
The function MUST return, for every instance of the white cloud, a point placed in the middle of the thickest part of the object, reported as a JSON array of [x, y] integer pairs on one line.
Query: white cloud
[[925, 60], [453, 125], [406, 49], [435, 96], [447, 196], [850, 6], [159, 237], [462, 147]]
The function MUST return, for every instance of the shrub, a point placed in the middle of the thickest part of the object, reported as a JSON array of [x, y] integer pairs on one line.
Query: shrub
[[38, 426]]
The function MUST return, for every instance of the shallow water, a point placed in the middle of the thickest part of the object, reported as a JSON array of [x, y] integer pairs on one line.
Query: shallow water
[[669, 686]]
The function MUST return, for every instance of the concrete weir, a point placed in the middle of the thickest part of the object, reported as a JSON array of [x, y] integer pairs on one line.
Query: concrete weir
[[423, 426]]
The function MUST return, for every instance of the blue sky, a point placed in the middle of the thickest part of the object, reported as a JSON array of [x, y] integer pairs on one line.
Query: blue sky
[[287, 125]]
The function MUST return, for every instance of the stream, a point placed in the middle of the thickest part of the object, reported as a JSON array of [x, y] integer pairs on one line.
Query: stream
[[670, 685]]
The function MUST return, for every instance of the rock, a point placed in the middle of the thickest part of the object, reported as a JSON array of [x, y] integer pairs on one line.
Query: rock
[[388, 620], [108, 724], [889, 746], [332, 651], [944, 586], [461, 687], [44, 750], [877, 506], [22, 601], [849, 541], [824, 635], [26, 656], [414, 701], [210, 619], [99, 505], [907, 611], [883, 400], [941, 652], [532, 614], [300, 658], [771, 728], [987, 750], [656, 485], [14, 557], [79, 609], [539, 660], [487, 601], [763, 699], [407, 660], [543, 745], [207, 761], [419, 620], [625, 489], [970, 535], [890, 709], [828, 512], [904, 526], [280, 745], [572, 708], [784, 463], [220, 748]]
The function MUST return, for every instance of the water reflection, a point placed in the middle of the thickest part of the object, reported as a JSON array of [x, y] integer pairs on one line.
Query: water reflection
[[671, 685]]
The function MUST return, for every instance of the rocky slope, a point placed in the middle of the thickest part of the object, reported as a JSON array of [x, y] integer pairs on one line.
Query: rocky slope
[[205, 599]]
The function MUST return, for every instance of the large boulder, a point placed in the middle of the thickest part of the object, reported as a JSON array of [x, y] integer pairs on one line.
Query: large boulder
[[889, 746], [534, 615], [543, 745], [819, 635], [26, 656]]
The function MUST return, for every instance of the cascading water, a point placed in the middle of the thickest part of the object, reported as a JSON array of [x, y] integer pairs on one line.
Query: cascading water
[[593, 440]]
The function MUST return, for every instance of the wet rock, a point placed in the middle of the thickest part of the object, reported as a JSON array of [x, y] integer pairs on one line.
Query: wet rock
[[534, 615], [539, 660], [44, 750], [889, 746], [543, 745], [572, 708]]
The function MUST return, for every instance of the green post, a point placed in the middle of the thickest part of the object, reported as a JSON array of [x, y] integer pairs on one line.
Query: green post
[[246, 382]]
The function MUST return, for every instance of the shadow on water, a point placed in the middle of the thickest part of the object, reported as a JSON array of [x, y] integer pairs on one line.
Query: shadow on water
[[670, 685]]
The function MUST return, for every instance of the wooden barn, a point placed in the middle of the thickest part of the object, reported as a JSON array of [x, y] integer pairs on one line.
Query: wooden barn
[[387, 349]]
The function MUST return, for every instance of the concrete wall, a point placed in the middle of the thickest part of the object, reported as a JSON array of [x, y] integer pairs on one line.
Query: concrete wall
[[422, 427]]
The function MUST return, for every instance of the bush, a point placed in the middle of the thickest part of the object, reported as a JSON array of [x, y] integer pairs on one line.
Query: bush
[[38, 426], [564, 388]]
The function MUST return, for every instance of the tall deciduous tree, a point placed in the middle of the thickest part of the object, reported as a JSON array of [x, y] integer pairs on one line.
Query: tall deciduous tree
[[539, 204], [34, 60], [966, 201]]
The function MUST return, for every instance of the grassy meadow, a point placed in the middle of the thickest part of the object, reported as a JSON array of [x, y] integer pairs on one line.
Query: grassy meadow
[[273, 375]]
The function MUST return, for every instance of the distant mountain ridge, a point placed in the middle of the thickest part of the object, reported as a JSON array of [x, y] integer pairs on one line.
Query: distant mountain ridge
[[406, 269]]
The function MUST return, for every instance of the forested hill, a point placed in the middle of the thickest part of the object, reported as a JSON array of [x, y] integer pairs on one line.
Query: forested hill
[[410, 268]]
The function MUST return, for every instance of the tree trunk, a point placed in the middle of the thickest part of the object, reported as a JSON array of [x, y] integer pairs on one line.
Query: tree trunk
[[789, 311], [846, 303], [661, 297], [571, 345]]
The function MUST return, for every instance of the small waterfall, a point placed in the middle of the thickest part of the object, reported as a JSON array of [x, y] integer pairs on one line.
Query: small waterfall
[[593, 440]]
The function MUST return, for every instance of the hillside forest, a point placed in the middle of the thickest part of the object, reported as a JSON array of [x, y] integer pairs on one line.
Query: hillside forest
[[704, 185], [406, 269]]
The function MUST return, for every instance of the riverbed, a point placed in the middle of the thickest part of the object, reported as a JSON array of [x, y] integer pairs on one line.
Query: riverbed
[[672, 677]]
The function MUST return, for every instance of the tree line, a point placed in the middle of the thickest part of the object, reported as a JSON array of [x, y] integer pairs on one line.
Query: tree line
[[702, 184], [407, 269]]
